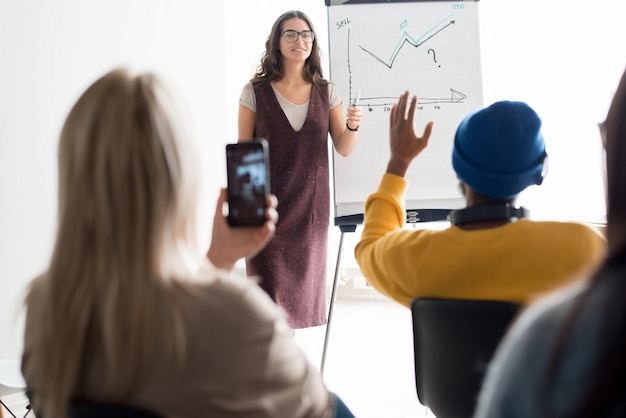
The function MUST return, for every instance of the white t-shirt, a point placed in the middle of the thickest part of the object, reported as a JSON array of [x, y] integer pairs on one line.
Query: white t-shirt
[[296, 114]]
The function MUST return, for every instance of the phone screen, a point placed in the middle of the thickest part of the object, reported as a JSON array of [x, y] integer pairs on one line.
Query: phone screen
[[247, 165]]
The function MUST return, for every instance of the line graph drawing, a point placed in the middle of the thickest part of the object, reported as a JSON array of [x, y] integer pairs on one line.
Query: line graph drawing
[[406, 38], [384, 102]]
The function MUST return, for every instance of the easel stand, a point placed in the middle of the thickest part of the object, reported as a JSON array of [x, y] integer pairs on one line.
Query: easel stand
[[343, 229], [349, 224]]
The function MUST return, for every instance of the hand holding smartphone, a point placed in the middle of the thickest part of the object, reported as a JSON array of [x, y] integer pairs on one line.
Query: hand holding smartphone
[[247, 168]]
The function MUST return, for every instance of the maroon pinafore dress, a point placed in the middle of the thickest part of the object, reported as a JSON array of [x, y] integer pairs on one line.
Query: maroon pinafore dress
[[292, 267]]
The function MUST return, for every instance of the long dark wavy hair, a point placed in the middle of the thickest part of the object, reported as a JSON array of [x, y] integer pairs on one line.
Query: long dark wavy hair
[[606, 384], [271, 67]]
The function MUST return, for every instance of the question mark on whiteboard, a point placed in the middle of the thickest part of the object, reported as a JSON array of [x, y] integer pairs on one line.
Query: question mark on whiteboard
[[434, 56]]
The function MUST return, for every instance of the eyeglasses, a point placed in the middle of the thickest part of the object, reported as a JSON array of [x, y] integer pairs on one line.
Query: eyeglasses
[[291, 36]]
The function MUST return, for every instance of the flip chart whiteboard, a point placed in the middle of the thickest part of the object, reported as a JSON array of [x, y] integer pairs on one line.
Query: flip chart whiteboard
[[380, 50]]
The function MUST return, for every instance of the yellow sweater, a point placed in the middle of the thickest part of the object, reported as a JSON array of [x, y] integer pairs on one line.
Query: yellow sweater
[[515, 262]]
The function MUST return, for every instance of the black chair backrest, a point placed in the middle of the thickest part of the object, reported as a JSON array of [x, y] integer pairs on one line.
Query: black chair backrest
[[454, 340], [88, 409]]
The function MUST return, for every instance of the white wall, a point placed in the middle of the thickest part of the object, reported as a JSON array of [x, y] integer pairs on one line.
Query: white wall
[[563, 59], [50, 52]]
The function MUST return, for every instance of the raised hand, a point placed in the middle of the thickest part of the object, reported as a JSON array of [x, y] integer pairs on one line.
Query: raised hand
[[403, 142]]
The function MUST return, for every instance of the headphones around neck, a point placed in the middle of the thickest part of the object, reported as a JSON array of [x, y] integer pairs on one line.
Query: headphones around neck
[[487, 213]]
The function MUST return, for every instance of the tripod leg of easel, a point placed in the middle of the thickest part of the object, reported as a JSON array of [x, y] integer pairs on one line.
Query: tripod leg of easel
[[2, 404], [332, 304]]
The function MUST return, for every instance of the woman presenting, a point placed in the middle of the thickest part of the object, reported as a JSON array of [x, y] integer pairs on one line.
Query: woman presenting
[[289, 103]]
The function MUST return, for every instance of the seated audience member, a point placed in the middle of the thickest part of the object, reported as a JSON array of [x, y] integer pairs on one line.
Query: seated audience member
[[128, 311], [565, 356], [491, 249]]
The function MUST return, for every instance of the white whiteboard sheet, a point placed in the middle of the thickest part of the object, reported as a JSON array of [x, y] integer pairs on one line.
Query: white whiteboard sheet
[[431, 49]]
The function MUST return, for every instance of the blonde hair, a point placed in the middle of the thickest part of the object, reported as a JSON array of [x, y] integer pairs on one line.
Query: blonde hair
[[126, 226]]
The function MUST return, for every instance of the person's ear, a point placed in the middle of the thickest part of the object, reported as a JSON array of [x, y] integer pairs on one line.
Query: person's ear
[[462, 187]]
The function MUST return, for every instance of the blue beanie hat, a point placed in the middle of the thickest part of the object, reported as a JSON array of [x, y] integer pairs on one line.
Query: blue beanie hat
[[499, 151]]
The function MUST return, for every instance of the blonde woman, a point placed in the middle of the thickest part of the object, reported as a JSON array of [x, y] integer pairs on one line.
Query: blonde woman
[[126, 312]]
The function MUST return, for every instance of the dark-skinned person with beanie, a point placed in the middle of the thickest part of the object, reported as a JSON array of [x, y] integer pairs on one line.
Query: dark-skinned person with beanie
[[492, 250]]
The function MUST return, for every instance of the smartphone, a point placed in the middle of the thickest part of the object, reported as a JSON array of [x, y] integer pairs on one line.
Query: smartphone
[[248, 176]]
